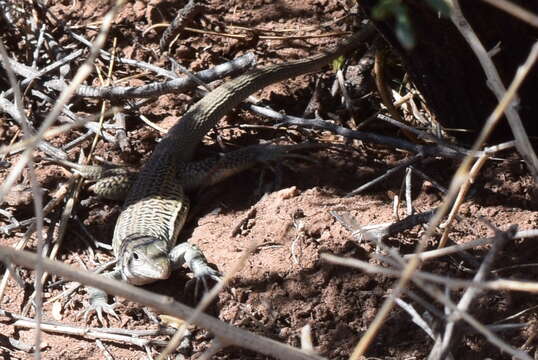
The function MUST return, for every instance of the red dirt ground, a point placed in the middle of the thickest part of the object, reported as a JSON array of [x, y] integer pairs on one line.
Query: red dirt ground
[[284, 285]]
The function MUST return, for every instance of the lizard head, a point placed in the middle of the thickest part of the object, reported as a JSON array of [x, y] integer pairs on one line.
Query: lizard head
[[144, 260]]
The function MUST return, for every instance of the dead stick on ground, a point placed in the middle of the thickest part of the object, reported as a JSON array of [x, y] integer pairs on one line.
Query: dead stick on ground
[[442, 345], [475, 170]]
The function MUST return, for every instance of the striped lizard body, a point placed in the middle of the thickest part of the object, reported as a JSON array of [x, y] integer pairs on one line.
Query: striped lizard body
[[148, 226]]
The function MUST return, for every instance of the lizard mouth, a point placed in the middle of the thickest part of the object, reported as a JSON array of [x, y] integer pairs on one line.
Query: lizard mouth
[[149, 275], [145, 271], [158, 269]]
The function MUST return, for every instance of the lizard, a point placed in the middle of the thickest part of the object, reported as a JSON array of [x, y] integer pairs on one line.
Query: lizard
[[114, 182], [155, 208]]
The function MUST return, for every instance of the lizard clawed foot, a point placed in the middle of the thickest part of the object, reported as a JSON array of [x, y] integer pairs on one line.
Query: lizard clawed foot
[[203, 273], [192, 256], [99, 309], [98, 305]]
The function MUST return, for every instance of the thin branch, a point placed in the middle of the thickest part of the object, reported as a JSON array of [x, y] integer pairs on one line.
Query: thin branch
[[35, 74], [442, 346], [381, 231], [141, 64], [9, 108], [88, 333], [515, 10], [425, 150], [401, 165], [177, 85], [37, 195], [184, 17], [83, 71], [496, 85]]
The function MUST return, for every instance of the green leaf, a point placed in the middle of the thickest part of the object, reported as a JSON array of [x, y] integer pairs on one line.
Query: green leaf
[[338, 63]]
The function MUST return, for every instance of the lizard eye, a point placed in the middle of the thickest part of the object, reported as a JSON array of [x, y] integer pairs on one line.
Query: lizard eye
[[136, 256]]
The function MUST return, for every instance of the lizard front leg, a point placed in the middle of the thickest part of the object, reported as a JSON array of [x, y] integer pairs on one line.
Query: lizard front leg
[[195, 260], [99, 300]]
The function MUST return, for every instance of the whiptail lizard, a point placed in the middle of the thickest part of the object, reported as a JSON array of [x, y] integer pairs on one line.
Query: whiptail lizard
[[156, 206]]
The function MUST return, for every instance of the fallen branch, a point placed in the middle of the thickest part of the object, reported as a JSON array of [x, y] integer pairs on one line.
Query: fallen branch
[[159, 88]]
